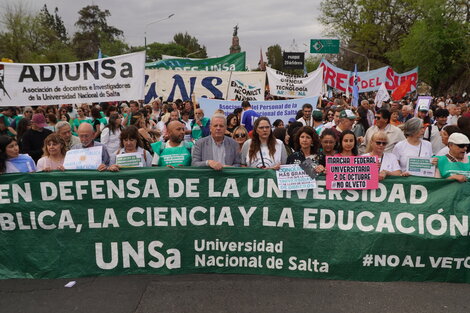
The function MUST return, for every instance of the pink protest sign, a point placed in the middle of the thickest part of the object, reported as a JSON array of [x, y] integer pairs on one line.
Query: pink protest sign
[[355, 172]]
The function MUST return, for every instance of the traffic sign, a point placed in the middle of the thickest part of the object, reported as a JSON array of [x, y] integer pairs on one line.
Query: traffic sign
[[324, 45]]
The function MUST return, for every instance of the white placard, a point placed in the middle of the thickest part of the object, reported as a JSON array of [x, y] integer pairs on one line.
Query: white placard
[[133, 159], [83, 159], [294, 86], [293, 177], [421, 167]]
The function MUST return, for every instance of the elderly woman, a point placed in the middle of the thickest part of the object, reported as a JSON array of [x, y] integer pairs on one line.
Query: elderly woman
[[388, 162], [54, 154], [447, 131], [413, 146], [11, 161], [131, 142], [264, 150], [455, 164]]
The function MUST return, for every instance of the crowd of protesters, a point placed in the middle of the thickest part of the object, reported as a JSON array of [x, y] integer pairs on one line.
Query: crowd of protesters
[[178, 134]]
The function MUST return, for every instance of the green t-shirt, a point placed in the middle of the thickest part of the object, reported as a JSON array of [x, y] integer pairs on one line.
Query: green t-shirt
[[448, 168], [196, 131], [174, 156]]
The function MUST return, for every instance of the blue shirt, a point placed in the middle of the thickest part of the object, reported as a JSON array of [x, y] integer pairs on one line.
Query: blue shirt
[[248, 119]]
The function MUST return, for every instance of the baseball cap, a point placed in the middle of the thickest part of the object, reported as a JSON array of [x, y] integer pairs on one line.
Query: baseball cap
[[317, 113], [347, 114], [39, 120], [459, 139], [423, 108]]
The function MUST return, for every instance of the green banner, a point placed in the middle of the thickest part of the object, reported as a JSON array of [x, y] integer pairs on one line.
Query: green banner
[[229, 62], [192, 220]]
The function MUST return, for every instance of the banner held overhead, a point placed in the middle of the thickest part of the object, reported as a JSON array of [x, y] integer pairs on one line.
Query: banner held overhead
[[230, 62], [109, 79], [295, 86]]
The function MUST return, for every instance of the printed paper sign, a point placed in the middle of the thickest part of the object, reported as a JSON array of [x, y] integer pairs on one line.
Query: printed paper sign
[[293, 177], [83, 159], [129, 159], [109, 79], [421, 167], [423, 102], [295, 86], [355, 172]]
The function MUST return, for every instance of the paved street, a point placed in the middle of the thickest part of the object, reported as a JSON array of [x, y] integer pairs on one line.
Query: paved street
[[228, 293]]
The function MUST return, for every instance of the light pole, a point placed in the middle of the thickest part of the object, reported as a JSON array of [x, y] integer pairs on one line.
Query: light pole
[[365, 56], [145, 30]]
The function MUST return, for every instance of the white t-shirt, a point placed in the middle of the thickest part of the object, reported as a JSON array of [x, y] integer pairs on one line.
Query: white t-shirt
[[389, 162], [279, 156], [443, 151], [403, 151]]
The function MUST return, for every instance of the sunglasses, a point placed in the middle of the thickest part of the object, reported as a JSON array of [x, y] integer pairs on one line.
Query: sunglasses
[[381, 143], [240, 135], [461, 145], [378, 117]]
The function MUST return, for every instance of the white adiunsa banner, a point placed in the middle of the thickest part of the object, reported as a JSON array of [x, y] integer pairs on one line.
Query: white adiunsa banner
[[295, 86], [109, 79]]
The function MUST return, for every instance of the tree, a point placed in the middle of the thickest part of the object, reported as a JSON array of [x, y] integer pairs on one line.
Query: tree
[[31, 38], [437, 44], [191, 44], [274, 55], [94, 33], [155, 50]]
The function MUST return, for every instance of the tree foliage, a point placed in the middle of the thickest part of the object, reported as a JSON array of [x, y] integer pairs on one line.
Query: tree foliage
[[33, 38], [191, 44], [274, 55], [431, 34], [94, 33]]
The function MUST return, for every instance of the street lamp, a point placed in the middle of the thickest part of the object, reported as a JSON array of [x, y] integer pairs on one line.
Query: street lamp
[[145, 30], [365, 56]]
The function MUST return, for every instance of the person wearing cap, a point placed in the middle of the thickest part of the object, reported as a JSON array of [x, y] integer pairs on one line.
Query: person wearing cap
[[413, 146], [382, 123], [346, 121], [317, 116], [33, 139], [455, 164], [306, 119]]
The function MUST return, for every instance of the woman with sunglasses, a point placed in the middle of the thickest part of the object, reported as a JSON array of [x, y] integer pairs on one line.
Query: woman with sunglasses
[[413, 146], [455, 164], [240, 135], [264, 150], [232, 123], [388, 162]]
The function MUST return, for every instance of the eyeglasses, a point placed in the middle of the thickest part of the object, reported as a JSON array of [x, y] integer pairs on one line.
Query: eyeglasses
[[331, 115], [378, 117], [381, 143], [461, 145], [242, 135]]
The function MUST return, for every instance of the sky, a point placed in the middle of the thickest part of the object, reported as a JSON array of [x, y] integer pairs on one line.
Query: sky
[[261, 23]]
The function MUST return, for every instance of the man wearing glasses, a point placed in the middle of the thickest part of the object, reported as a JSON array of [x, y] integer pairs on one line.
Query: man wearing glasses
[[382, 123]]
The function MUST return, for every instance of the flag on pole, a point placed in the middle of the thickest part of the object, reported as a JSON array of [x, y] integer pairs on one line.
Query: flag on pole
[[355, 95], [402, 90], [381, 96]]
